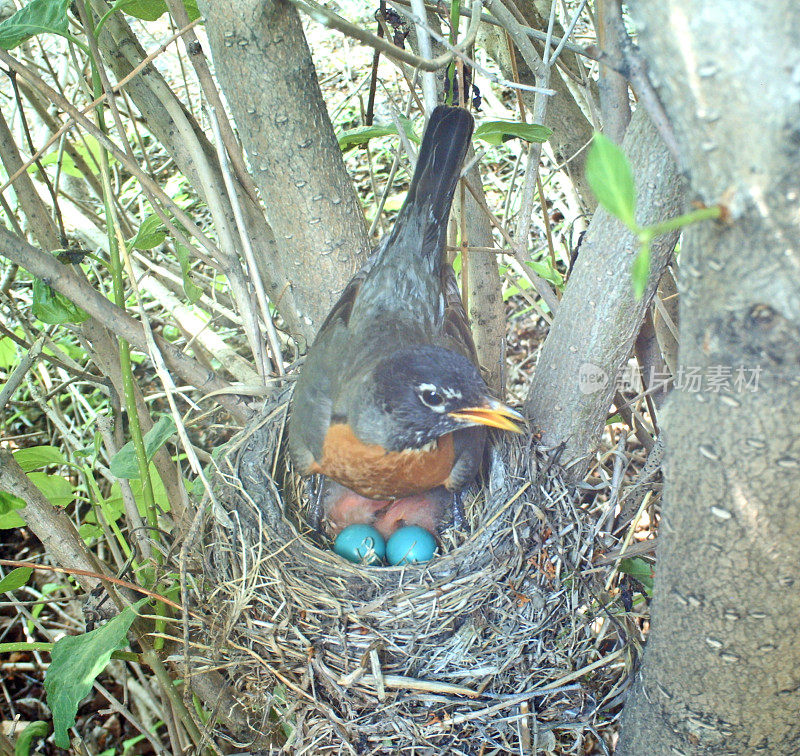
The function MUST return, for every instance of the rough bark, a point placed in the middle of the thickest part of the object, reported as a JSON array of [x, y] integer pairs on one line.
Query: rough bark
[[721, 672], [39, 220], [612, 88], [265, 67], [599, 316], [485, 305]]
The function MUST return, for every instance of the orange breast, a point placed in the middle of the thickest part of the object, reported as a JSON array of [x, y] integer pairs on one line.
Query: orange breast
[[368, 469]]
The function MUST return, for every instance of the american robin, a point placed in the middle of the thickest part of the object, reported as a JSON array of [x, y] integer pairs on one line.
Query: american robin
[[390, 403]]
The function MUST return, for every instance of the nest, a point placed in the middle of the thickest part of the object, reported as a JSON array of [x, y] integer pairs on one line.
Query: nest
[[492, 647]]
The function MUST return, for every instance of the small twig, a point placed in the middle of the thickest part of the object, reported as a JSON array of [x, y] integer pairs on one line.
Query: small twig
[[575, 16], [392, 171], [627, 540], [71, 122], [590, 52], [255, 276], [78, 289], [170, 390], [14, 381], [635, 69], [471, 34], [198, 60], [327, 17], [42, 173], [424, 43], [184, 218]]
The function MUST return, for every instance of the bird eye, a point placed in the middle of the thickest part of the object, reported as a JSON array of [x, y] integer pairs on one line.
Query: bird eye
[[432, 398]]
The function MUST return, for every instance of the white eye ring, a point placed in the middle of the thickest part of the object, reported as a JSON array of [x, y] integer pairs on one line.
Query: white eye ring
[[431, 397]]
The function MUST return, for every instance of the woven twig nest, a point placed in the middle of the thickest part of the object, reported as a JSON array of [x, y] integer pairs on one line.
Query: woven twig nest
[[486, 649]]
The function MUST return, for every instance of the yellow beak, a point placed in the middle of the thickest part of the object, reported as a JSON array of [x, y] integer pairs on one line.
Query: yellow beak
[[493, 413]]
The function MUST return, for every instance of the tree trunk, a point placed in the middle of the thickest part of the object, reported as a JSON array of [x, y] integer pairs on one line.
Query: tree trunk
[[598, 318], [721, 672], [265, 67]]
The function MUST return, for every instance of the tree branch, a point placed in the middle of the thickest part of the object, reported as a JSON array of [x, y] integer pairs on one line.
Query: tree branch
[[62, 279], [599, 317]]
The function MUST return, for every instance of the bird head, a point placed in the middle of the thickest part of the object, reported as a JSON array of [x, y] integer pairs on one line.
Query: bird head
[[424, 392]]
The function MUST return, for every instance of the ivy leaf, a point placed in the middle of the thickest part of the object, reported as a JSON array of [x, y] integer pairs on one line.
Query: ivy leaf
[[497, 132], [75, 662], [190, 288], [8, 515], [57, 490], [146, 10], [152, 10], [545, 270], [37, 17], [8, 353], [609, 175], [34, 731]]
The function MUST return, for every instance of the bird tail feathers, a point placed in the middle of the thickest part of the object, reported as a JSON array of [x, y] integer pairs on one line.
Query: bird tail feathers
[[423, 217]]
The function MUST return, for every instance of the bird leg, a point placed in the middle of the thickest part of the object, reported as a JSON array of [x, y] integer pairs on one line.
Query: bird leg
[[315, 487]]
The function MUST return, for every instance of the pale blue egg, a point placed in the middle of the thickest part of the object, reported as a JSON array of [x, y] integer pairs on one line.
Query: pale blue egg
[[360, 544], [410, 544]]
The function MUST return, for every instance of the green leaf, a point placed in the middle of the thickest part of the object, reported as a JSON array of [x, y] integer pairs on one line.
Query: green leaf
[[8, 515], [192, 291], [89, 532], [146, 10], [159, 492], [34, 731], [641, 570], [151, 10], [15, 579], [151, 233], [8, 353], [361, 135], [124, 464], [192, 9], [39, 456], [640, 271], [57, 490], [37, 17], [88, 148], [54, 308], [497, 132], [609, 175], [75, 662], [395, 202], [11, 520], [545, 270], [67, 164]]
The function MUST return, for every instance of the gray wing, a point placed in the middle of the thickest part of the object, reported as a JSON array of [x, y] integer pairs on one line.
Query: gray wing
[[318, 385]]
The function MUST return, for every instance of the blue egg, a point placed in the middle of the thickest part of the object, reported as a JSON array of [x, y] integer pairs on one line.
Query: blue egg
[[410, 544], [361, 544]]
